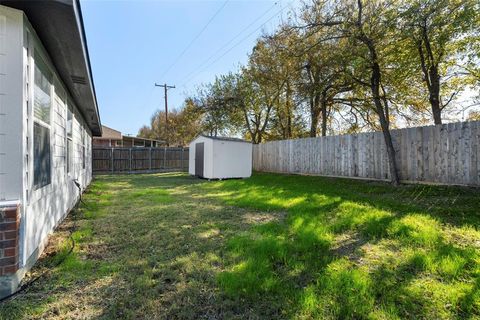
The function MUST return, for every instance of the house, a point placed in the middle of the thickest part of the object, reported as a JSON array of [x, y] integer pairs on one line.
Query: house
[[109, 138], [48, 115], [220, 158], [114, 138]]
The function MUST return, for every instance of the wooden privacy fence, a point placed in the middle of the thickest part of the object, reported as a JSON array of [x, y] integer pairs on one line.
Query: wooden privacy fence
[[114, 160], [448, 154]]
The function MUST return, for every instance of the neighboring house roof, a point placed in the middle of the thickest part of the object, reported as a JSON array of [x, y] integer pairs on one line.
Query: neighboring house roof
[[110, 134], [141, 138], [224, 138], [59, 25]]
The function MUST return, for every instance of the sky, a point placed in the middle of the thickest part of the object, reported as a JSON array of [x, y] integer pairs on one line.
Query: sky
[[135, 44]]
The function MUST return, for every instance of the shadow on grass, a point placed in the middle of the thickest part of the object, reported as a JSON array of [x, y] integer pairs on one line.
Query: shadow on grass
[[416, 252]]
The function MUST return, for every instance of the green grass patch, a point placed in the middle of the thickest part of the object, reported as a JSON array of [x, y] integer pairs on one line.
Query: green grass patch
[[168, 246], [353, 249]]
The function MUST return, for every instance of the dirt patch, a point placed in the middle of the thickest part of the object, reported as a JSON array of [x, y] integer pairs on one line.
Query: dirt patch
[[252, 217], [348, 244]]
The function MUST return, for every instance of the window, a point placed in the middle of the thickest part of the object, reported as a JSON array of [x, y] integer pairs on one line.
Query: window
[[69, 138], [42, 95], [41, 155], [41, 129], [83, 147]]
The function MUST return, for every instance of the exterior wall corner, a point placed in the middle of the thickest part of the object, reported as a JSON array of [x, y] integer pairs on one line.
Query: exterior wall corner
[[9, 247]]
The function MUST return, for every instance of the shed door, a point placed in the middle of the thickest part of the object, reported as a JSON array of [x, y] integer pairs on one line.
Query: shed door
[[199, 159]]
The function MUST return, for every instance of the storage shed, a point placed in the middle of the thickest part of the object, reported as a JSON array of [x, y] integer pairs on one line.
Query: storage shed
[[220, 158]]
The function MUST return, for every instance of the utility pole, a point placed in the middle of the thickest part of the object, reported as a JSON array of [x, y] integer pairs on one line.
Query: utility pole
[[165, 87]]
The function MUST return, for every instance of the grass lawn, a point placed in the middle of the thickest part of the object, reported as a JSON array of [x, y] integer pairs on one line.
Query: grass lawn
[[273, 246]]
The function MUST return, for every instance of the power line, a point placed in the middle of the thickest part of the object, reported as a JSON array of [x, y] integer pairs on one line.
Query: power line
[[239, 42], [194, 39], [230, 41], [236, 44]]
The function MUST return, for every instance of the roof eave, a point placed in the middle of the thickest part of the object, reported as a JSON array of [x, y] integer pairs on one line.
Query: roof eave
[[59, 25], [79, 16]]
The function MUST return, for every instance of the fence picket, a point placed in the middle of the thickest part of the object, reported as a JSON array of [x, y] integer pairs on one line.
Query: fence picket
[[139, 159], [438, 154]]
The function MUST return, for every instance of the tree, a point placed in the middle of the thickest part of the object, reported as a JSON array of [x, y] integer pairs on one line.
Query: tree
[[345, 66], [253, 100], [321, 58], [367, 27], [436, 29], [277, 72], [184, 126], [219, 117], [325, 81]]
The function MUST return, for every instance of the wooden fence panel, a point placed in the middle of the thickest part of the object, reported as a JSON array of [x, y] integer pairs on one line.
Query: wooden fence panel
[[139, 159], [448, 154], [103, 159]]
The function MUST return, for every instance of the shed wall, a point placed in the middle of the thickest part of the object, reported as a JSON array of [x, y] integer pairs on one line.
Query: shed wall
[[231, 159], [222, 159]]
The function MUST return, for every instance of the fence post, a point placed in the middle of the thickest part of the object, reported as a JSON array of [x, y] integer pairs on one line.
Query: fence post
[[164, 157], [150, 159], [181, 159], [111, 156], [130, 157]]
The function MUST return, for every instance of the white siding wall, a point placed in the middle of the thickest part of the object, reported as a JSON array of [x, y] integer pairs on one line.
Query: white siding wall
[[11, 112], [232, 159], [45, 207]]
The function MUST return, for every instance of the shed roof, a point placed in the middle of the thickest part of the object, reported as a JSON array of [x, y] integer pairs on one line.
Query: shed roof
[[59, 24], [225, 138]]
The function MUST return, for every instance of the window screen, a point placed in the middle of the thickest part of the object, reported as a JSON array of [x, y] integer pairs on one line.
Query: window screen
[[41, 156], [83, 148], [69, 139], [69, 154], [69, 122], [41, 129], [42, 91]]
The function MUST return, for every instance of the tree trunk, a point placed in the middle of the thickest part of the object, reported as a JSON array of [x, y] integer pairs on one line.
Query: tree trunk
[[324, 114], [288, 111], [375, 83], [390, 149], [430, 74], [380, 110], [315, 114], [314, 124], [435, 95]]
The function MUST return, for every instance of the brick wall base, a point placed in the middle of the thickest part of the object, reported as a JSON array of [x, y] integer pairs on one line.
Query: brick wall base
[[9, 248]]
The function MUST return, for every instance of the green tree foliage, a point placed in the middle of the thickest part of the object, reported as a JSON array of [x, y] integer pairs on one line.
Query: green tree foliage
[[277, 71], [218, 115], [367, 29], [183, 125], [344, 66], [436, 30], [322, 80]]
